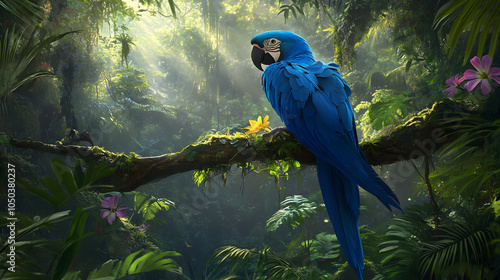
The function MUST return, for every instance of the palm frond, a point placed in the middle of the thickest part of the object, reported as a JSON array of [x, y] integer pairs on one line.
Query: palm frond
[[23, 9], [399, 246], [476, 146], [268, 263], [71, 244], [16, 53], [474, 16], [324, 246], [126, 42], [462, 250], [43, 222], [239, 257], [150, 261], [150, 205], [294, 209], [389, 111], [459, 249], [277, 268], [68, 182]]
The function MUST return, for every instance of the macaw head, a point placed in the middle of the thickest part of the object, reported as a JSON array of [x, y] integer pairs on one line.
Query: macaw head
[[273, 46]]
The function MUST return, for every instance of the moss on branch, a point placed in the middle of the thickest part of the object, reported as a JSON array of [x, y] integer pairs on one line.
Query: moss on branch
[[425, 133]]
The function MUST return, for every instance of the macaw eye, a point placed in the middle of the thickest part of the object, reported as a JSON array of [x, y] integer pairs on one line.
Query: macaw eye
[[273, 41]]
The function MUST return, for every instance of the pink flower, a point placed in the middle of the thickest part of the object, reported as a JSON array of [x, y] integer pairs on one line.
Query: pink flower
[[454, 82], [110, 209], [482, 74], [143, 227]]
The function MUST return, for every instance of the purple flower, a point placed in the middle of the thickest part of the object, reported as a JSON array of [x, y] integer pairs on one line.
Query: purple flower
[[110, 209], [481, 74], [143, 227], [454, 82]]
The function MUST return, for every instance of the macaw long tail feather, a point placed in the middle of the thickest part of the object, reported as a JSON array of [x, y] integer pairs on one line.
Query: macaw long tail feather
[[341, 197]]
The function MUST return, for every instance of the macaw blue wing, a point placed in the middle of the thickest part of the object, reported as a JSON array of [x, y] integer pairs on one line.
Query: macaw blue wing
[[312, 100]]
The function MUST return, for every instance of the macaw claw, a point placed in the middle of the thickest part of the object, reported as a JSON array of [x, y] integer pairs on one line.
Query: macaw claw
[[280, 131]]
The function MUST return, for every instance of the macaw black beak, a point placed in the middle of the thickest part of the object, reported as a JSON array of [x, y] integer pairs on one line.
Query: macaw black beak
[[259, 57]]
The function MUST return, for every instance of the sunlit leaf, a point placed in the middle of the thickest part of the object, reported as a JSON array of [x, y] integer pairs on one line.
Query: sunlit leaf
[[26, 10], [389, 111], [474, 16], [292, 213]]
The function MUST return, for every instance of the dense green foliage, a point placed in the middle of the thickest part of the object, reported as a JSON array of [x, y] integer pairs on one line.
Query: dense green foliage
[[150, 77], [70, 184]]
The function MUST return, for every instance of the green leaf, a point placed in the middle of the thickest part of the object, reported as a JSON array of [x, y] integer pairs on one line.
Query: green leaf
[[103, 272], [408, 65], [38, 192], [472, 16], [269, 264], [446, 10], [150, 205], [58, 192], [48, 220], [389, 111], [64, 175], [149, 262], [495, 33], [72, 244], [22, 275], [71, 275], [292, 213], [23, 9], [78, 175], [474, 30], [95, 172], [172, 7], [57, 195], [16, 53], [325, 246], [126, 264]]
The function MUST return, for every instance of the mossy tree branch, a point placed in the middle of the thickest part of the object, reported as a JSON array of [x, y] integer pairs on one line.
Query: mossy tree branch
[[424, 134]]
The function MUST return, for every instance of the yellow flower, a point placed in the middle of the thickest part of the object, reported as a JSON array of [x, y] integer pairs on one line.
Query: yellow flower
[[258, 125]]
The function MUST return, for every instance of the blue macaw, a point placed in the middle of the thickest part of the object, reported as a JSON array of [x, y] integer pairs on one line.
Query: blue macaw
[[312, 100]]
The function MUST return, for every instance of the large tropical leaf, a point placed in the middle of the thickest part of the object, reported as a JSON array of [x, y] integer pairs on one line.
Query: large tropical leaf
[[269, 264], [24, 275], [148, 262], [239, 257], [16, 53], [148, 205], [113, 269], [68, 183], [400, 245], [294, 209], [476, 17], [476, 147], [158, 3], [104, 272], [324, 246], [42, 222], [459, 249], [126, 42], [462, 250], [389, 111], [71, 244], [23, 9], [276, 268]]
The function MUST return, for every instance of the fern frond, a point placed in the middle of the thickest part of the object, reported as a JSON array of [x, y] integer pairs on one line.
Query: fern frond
[[294, 209]]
